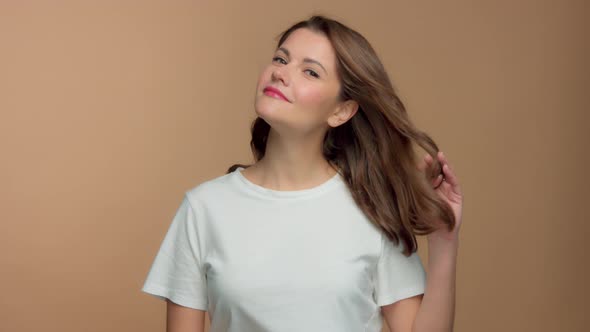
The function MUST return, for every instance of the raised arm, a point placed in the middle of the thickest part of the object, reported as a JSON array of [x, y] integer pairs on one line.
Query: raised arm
[[184, 319], [434, 311]]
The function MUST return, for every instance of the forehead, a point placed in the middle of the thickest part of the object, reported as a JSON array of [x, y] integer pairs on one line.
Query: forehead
[[303, 43]]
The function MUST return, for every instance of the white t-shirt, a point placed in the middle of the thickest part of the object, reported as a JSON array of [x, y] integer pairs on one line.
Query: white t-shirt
[[279, 261]]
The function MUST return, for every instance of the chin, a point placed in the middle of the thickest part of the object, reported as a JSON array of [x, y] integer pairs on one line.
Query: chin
[[268, 107], [269, 114], [266, 113]]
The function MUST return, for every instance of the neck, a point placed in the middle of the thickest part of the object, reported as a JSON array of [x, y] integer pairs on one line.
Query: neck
[[293, 164]]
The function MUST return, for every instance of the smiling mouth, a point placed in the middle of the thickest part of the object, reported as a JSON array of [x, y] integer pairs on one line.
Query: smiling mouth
[[274, 94]]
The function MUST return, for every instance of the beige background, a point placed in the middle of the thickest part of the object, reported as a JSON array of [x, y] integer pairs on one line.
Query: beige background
[[111, 110]]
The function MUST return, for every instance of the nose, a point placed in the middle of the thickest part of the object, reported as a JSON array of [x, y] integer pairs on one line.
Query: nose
[[279, 74]]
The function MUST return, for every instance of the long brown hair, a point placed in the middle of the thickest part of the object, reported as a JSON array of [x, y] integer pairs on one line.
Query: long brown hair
[[373, 150]]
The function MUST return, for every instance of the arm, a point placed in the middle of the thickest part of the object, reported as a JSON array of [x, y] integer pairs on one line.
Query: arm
[[434, 310], [437, 311], [400, 315], [184, 319]]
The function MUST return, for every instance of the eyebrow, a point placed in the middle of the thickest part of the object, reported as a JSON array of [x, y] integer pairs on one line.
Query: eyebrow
[[304, 59]]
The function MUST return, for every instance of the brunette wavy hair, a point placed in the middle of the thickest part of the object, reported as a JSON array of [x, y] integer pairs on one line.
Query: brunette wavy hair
[[374, 150]]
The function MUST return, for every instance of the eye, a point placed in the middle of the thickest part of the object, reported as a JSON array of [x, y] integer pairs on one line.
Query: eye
[[278, 58], [314, 74]]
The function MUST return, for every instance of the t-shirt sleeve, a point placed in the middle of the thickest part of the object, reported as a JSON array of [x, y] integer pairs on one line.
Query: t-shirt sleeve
[[397, 276], [176, 272]]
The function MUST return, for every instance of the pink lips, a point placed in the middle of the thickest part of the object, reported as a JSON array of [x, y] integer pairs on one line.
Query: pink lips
[[273, 92]]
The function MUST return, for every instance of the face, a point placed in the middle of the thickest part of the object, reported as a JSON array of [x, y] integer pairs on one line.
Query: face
[[303, 69]]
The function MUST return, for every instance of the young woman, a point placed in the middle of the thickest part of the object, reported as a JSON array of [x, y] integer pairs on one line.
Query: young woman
[[319, 234]]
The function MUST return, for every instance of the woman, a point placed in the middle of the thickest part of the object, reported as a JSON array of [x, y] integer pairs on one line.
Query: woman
[[319, 233]]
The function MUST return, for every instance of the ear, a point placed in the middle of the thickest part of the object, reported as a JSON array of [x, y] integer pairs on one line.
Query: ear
[[346, 110]]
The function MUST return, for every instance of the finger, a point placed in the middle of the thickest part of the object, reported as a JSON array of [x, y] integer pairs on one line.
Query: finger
[[443, 159], [437, 181], [450, 177], [421, 165], [426, 161]]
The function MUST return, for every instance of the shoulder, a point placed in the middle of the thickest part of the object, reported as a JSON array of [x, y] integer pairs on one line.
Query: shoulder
[[211, 188]]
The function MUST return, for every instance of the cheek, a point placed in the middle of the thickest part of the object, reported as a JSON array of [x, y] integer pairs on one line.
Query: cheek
[[261, 79], [313, 98], [264, 76]]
